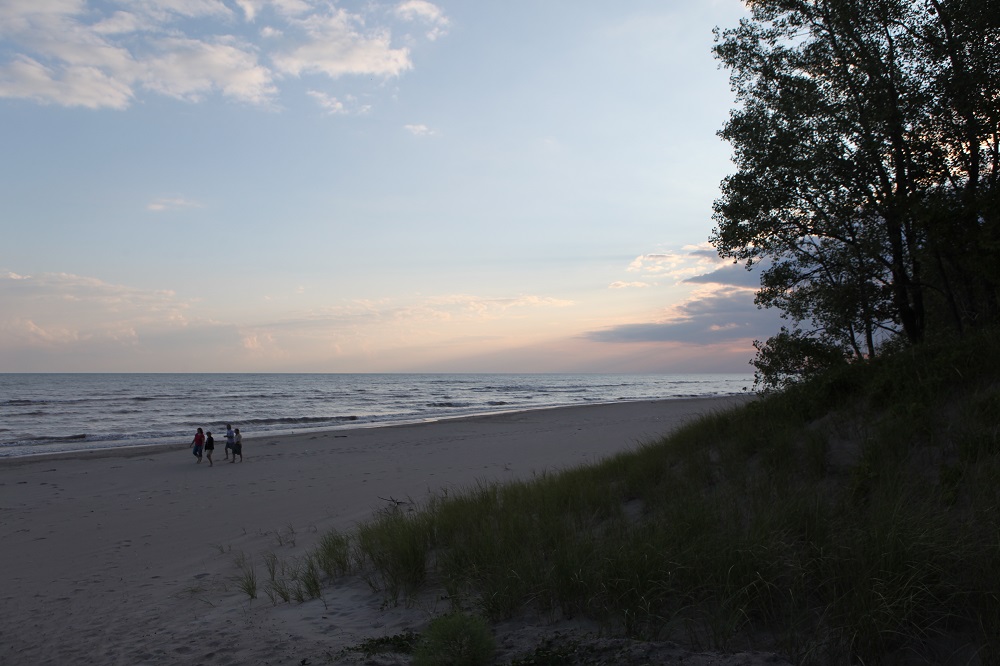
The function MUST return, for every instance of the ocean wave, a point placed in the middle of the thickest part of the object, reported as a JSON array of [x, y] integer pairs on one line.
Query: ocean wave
[[28, 440], [299, 420]]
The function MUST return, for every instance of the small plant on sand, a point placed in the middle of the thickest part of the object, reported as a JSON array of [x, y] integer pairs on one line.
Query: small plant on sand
[[399, 644], [310, 578], [285, 537], [549, 653], [455, 640], [271, 562], [247, 578]]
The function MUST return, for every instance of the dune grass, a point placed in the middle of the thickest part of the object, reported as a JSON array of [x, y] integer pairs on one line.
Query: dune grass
[[853, 519]]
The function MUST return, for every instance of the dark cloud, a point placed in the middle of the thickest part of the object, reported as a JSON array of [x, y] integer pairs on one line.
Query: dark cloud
[[733, 274], [706, 252], [724, 316]]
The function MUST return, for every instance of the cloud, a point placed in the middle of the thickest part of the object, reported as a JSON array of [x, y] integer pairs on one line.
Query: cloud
[[449, 307], [713, 301], [628, 285], [283, 8], [712, 316], [55, 308], [693, 264], [426, 12], [733, 274], [171, 203], [65, 322], [89, 87], [90, 54], [690, 261], [419, 130], [335, 46], [188, 69], [336, 107], [61, 322]]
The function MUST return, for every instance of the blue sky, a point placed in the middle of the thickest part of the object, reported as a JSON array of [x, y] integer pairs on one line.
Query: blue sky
[[294, 185]]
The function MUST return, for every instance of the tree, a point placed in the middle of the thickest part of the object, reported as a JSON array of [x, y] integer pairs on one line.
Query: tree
[[866, 144]]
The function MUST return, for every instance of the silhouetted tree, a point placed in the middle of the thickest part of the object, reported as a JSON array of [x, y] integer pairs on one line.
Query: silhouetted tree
[[866, 144]]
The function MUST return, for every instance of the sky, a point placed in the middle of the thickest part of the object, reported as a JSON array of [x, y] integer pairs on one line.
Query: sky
[[366, 186]]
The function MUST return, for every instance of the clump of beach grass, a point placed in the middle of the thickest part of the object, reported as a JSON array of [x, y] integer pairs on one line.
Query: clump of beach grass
[[392, 551], [247, 576]]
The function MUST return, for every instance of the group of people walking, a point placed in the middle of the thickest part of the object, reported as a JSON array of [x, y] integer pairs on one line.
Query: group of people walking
[[204, 444]]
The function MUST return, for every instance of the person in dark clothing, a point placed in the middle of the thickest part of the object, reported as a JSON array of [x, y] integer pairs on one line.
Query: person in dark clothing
[[209, 447]]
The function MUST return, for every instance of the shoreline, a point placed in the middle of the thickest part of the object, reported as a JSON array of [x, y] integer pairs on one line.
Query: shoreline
[[124, 449], [128, 556]]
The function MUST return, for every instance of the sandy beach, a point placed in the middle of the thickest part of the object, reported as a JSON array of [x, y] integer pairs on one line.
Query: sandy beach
[[128, 557]]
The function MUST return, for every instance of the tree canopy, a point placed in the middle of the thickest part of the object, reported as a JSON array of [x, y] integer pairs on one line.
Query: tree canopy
[[866, 140]]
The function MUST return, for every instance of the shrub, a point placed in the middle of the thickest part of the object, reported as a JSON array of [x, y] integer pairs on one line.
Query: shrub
[[456, 639]]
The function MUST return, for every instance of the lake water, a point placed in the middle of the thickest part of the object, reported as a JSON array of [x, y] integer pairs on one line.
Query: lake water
[[53, 413]]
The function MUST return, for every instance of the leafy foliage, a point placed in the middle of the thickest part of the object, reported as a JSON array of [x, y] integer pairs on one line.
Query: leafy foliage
[[867, 146], [791, 356]]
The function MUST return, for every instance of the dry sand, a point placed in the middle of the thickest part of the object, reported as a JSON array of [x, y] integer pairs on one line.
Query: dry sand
[[127, 557]]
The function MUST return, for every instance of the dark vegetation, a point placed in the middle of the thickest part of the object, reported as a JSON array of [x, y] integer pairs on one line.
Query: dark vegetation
[[851, 518], [867, 144]]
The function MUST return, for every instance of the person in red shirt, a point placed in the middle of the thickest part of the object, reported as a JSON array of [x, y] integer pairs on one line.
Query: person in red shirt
[[199, 444]]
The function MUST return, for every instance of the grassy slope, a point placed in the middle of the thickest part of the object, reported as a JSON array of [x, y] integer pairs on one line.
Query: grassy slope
[[855, 519]]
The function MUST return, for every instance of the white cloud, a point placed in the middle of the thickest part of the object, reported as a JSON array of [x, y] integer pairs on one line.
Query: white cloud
[[330, 104], [335, 47], [690, 261], [89, 54], [187, 69], [419, 130], [426, 12], [88, 87], [171, 203], [251, 8], [122, 23], [628, 285], [187, 8], [335, 106]]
